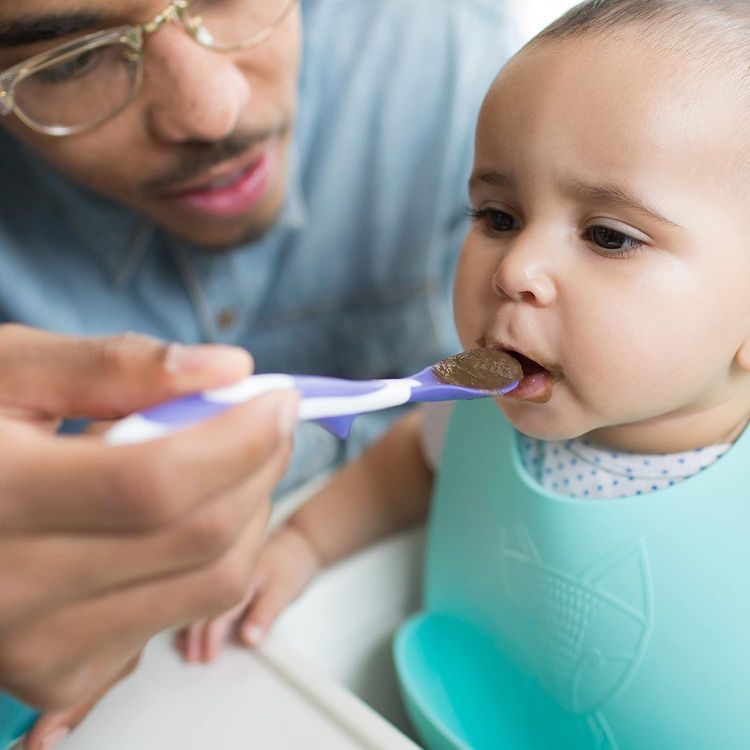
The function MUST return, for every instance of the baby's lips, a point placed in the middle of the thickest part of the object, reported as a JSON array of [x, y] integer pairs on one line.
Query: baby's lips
[[535, 381], [536, 388]]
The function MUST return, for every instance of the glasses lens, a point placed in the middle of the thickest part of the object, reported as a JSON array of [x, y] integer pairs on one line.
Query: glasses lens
[[80, 89], [235, 23]]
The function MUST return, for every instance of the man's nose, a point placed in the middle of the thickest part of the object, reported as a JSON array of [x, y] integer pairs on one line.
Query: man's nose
[[192, 93], [525, 272]]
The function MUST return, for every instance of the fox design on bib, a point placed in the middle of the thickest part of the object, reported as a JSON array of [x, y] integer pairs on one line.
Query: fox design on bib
[[586, 632]]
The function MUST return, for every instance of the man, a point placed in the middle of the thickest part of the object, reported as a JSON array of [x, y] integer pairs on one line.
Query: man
[[207, 176]]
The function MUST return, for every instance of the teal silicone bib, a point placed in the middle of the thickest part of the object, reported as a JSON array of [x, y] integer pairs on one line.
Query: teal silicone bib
[[560, 624], [16, 719]]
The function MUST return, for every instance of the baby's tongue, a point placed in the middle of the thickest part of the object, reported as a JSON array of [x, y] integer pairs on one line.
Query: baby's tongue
[[536, 384], [537, 388]]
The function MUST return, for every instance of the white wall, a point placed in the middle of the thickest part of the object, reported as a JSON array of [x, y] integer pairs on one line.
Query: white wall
[[534, 15]]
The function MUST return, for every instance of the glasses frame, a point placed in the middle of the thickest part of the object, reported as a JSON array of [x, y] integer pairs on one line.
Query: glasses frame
[[132, 37]]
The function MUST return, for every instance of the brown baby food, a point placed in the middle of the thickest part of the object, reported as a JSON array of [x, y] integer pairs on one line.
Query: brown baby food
[[485, 369]]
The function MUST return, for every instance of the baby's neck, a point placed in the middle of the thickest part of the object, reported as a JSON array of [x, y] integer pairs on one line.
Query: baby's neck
[[677, 434]]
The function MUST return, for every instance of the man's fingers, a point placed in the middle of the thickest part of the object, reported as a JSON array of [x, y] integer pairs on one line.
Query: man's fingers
[[59, 660], [88, 485], [52, 728], [97, 564], [48, 374]]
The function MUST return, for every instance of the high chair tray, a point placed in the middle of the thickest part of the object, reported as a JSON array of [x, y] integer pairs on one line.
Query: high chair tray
[[270, 699]]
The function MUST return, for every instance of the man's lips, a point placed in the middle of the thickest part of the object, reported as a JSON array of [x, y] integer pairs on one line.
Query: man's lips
[[216, 175], [229, 189]]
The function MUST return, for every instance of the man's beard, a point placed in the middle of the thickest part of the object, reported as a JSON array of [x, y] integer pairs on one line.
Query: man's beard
[[248, 237]]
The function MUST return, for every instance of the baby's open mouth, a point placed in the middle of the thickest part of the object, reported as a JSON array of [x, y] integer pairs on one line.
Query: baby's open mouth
[[537, 382]]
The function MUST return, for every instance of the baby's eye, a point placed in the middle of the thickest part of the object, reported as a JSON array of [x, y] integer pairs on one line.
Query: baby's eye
[[611, 240], [495, 220]]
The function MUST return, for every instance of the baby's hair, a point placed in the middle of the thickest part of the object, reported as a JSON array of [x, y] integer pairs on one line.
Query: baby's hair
[[713, 32], [716, 31], [607, 15]]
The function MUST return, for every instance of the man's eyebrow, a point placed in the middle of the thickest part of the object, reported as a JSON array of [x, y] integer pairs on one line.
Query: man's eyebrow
[[31, 29], [616, 195]]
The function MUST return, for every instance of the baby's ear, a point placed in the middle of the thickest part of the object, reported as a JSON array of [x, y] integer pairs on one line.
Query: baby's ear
[[743, 354]]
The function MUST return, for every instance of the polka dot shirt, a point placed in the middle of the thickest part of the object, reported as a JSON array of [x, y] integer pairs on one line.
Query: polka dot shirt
[[579, 468]]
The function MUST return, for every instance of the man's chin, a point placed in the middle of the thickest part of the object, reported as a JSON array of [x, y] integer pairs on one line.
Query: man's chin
[[215, 236], [227, 241]]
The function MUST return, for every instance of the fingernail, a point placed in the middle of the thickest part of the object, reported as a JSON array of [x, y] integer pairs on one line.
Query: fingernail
[[186, 360], [54, 738], [253, 635], [288, 416]]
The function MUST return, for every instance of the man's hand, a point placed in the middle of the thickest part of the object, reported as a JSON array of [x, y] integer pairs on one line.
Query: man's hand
[[53, 727], [101, 547]]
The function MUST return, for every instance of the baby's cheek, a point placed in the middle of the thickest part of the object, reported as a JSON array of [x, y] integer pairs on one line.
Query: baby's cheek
[[600, 384], [469, 319]]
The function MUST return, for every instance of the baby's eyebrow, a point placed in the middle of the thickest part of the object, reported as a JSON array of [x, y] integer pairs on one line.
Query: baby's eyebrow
[[616, 195], [491, 178], [604, 193]]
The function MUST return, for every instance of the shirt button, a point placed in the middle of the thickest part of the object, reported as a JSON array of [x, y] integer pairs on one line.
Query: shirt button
[[225, 319]]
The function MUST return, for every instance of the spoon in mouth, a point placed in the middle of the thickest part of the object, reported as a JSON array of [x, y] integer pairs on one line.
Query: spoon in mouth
[[334, 403]]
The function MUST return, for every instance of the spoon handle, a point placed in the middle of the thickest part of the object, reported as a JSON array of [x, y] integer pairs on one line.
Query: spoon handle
[[333, 402]]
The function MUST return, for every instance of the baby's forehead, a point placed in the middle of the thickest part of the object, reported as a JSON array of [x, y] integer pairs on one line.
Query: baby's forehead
[[690, 48], [620, 95], [697, 51], [637, 71]]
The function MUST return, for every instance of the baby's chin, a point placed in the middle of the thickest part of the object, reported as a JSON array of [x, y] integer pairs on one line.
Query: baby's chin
[[537, 420]]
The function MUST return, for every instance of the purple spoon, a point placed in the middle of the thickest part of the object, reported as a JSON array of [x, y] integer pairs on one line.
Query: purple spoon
[[334, 403]]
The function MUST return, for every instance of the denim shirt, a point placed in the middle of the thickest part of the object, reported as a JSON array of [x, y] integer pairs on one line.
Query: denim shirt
[[354, 280]]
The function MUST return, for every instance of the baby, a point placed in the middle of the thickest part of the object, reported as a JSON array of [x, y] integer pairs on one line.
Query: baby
[[610, 253]]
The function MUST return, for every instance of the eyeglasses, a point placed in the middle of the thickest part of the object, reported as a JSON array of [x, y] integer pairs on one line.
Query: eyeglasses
[[82, 84]]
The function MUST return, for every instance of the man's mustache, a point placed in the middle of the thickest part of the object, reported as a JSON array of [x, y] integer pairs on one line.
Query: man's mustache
[[198, 158]]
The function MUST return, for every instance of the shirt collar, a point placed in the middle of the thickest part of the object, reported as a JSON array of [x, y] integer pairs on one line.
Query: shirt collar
[[294, 215]]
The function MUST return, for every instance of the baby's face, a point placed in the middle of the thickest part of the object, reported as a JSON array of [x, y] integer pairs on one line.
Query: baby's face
[[612, 245]]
